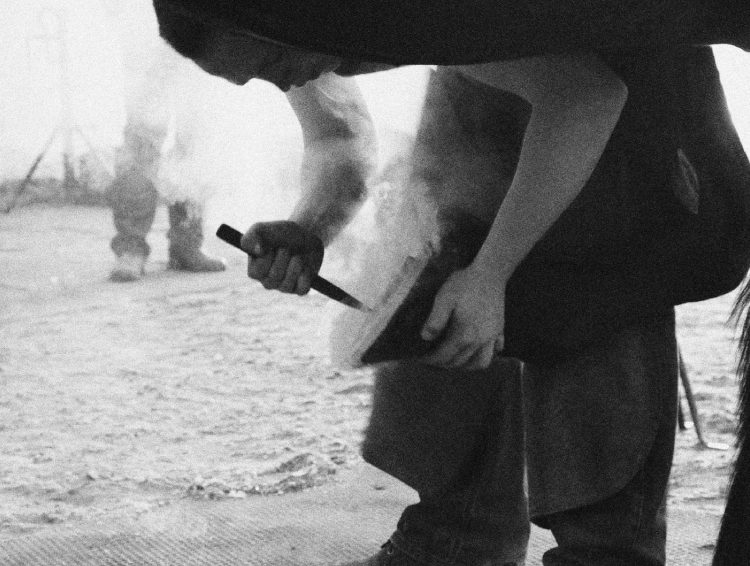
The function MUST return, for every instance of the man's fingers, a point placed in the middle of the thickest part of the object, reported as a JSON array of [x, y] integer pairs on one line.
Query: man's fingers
[[468, 356], [304, 283], [293, 272], [481, 359], [278, 268], [499, 344], [252, 244], [437, 321], [464, 356], [444, 354], [257, 267]]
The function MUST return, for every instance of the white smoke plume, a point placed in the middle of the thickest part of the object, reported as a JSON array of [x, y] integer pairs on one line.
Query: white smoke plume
[[401, 222]]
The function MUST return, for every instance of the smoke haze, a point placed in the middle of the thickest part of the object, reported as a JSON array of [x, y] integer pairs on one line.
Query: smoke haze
[[79, 63], [84, 62]]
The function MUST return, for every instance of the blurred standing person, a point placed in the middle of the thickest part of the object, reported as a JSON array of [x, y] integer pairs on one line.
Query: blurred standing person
[[158, 140]]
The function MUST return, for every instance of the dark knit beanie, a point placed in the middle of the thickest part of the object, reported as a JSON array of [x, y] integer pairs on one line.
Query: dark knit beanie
[[471, 31]]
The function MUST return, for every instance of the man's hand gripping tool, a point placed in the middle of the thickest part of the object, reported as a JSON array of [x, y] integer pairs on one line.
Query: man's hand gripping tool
[[321, 285]]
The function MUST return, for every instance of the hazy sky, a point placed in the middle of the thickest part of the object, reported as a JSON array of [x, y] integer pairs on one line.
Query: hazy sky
[[99, 58], [31, 90]]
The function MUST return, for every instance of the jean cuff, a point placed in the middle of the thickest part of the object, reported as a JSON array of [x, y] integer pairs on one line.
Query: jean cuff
[[418, 554], [423, 558]]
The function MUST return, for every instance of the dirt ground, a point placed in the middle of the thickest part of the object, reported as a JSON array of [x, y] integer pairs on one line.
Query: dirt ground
[[117, 398]]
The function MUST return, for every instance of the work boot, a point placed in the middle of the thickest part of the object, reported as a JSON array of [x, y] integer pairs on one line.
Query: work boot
[[185, 240], [129, 267], [389, 555]]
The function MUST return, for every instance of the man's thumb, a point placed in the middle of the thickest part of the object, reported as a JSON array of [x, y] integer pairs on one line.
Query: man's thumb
[[436, 322]]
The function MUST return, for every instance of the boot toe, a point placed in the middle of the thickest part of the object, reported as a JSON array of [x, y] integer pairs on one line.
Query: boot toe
[[129, 267], [196, 262], [389, 555]]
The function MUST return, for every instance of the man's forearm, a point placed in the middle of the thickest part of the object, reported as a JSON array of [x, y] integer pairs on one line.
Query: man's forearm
[[340, 153], [334, 186], [576, 103], [559, 154]]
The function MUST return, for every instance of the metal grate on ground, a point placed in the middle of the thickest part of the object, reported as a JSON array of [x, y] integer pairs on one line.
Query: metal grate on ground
[[345, 520]]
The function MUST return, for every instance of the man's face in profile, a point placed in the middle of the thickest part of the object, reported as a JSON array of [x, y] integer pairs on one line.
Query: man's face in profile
[[238, 57]]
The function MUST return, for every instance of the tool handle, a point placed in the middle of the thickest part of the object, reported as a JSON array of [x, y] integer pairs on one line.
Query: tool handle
[[231, 236], [321, 285]]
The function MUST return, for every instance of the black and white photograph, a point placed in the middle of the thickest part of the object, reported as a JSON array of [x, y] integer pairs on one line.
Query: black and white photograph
[[374, 283]]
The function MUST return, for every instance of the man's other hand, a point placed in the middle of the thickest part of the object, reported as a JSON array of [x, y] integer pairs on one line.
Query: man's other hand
[[282, 255]]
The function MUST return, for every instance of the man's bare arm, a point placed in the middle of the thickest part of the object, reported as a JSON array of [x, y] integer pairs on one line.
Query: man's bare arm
[[576, 102], [339, 155], [340, 151]]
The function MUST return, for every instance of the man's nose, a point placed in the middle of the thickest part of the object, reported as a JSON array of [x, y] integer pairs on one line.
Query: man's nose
[[238, 79]]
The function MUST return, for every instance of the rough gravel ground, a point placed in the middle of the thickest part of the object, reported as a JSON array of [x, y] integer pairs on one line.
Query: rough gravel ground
[[117, 398]]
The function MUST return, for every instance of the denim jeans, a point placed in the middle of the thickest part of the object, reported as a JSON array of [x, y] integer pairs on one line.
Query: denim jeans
[[473, 507], [609, 508], [627, 529], [464, 457]]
